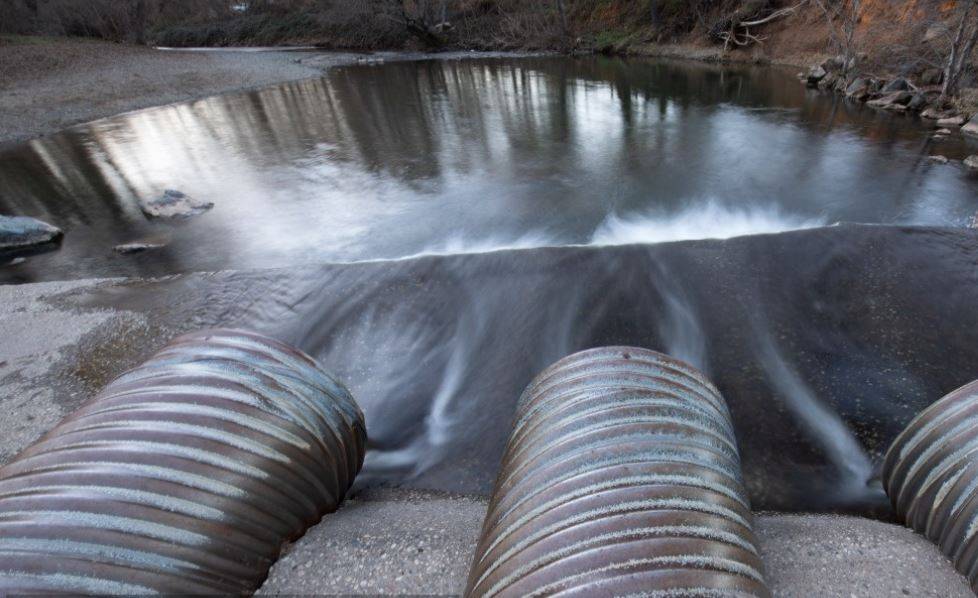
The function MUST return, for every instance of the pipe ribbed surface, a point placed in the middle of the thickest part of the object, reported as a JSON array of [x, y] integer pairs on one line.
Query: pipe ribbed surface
[[930, 474], [185, 475], [621, 477]]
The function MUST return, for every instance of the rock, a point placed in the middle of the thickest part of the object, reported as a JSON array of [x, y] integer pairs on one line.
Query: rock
[[23, 235], [918, 103], [898, 84], [815, 75], [971, 162], [935, 113], [971, 127], [953, 121], [942, 132], [858, 89], [938, 159], [834, 64], [828, 82], [173, 204], [932, 77], [896, 98], [137, 247]]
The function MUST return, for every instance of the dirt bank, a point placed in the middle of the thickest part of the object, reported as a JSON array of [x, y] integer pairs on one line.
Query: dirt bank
[[47, 84]]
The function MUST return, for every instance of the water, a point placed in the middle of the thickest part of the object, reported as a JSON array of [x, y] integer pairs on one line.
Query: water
[[442, 157], [480, 208]]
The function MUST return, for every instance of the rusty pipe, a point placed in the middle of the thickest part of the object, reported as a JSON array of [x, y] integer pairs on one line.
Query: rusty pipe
[[930, 474], [185, 475], [621, 476]]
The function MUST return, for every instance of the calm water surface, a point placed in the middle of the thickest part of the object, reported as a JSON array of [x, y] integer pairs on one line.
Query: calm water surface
[[395, 160]]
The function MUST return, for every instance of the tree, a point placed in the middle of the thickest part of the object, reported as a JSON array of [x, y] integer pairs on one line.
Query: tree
[[962, 46], [137, 22], [843, 18]]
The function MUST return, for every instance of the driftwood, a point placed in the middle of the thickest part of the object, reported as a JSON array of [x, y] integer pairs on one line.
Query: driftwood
[[735, 30]]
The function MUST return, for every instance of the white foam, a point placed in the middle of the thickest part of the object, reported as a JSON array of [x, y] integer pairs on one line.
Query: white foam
[[706, 220]]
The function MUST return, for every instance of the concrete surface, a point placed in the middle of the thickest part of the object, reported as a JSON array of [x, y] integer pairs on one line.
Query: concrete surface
[[409, 542], [384, 542]]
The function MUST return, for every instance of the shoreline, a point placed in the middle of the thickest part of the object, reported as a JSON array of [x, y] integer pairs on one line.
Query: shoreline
[[97, 80]]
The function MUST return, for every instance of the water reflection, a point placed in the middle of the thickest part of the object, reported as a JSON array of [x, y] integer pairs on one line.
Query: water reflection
[[396, 160]]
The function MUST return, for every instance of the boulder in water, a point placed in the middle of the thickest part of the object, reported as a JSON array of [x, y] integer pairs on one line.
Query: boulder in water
[[896, 98], [971, 127], [20, 235], [858, 89], [938, 159], [815, 75], [952, 121], [935, 113], [173, 204], [971, 162], [898, 84], [918, 103]]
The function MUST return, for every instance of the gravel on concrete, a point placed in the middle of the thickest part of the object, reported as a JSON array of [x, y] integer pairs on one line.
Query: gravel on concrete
[[411, 542], [826, 555], [47, 84], [384, 542]]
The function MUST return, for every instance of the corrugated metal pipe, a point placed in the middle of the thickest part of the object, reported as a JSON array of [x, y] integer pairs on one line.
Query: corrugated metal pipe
[[185, 475], [621, 477], [930, 474]]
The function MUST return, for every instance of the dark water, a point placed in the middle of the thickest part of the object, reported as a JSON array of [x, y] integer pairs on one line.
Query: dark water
[[467, 155], [824, 342]]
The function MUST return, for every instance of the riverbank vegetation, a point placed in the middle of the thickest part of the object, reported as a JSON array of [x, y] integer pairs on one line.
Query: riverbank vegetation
[[922, 40]]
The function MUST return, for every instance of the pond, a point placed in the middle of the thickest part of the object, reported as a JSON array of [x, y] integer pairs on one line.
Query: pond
[[394, 160]]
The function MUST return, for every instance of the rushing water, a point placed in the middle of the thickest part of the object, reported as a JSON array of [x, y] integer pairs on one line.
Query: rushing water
[[401, 159]]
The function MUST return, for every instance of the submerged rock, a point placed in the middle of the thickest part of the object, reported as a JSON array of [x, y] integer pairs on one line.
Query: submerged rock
[[938, 159], [971, 162], [23, 235], [173, 204], [138, 247]]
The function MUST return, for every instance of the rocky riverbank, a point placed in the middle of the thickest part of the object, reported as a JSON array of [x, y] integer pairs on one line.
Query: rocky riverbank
[[900, 95]]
